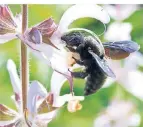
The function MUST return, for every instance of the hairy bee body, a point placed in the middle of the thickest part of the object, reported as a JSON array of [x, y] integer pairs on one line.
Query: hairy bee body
[[94, 82], [95, 76], [92, 55]]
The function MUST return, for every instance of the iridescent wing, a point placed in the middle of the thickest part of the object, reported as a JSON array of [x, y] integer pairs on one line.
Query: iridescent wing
[[120, 49], [103, 65]]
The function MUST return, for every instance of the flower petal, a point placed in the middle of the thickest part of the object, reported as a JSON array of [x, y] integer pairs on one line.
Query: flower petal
[[7, 16], [10, 123], [46, 49], [35, 89], [16, 84], [132, 62], [7, 37], [44, 119], [47, 27], [50, 55], [57, 81], [15, 81], [18, 21], [78, 11], [46, 105], [121, 11], [6, 113], [7, 22], [123, 31], [130, 84], [61, 100]]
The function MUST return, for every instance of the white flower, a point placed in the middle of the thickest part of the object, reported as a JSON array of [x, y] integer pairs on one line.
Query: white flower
[[118, 31], [121, 12], [92, 11], [134, 78], [9, 25], [44, 39], [118, 114], [41, 105], [49, 47]]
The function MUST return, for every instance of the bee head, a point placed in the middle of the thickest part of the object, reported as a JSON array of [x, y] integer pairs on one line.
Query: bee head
[[72, 38]]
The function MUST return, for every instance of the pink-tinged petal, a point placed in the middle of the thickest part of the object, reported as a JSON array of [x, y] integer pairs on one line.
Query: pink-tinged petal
[[49, 54], [8, 117], [121, 11], [9, 25], [46, 49], [6, 15], [15, 81], [47, 27], [7, 21], [8, 123], [34, 36], [6, 113], [7, 37], [46, 105], [78, 11], [36, 89]]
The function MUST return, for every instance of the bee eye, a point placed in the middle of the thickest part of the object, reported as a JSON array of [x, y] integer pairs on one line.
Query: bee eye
[[76, 40]]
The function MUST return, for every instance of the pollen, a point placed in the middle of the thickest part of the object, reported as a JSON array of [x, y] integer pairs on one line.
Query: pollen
[[70, 59], [74, 105]]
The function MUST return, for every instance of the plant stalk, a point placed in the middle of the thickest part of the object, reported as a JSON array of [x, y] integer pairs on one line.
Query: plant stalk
[[24, 58]]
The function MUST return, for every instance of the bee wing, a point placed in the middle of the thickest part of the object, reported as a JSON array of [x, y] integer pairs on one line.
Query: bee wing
[[103, 65], [120, 49]]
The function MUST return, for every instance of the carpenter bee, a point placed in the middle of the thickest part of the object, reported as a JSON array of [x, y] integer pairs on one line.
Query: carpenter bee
[[92, 56]]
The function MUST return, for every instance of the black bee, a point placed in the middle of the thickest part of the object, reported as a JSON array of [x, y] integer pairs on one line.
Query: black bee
[[92, 55]]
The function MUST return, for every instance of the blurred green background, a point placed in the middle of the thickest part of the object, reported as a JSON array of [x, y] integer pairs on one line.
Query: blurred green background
[[93, 104]]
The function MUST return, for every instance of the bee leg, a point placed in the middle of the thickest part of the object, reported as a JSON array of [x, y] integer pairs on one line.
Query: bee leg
[[78, 61], [81, 75]]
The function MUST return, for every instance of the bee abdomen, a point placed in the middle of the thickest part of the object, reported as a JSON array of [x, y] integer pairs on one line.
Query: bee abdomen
[[94, 82]]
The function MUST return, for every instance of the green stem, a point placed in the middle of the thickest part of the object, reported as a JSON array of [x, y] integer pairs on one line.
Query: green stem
[[24, 59]]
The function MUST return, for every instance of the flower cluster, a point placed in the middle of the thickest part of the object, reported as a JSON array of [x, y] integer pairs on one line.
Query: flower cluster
[[113, 117], [41, 105], [44, 40]]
